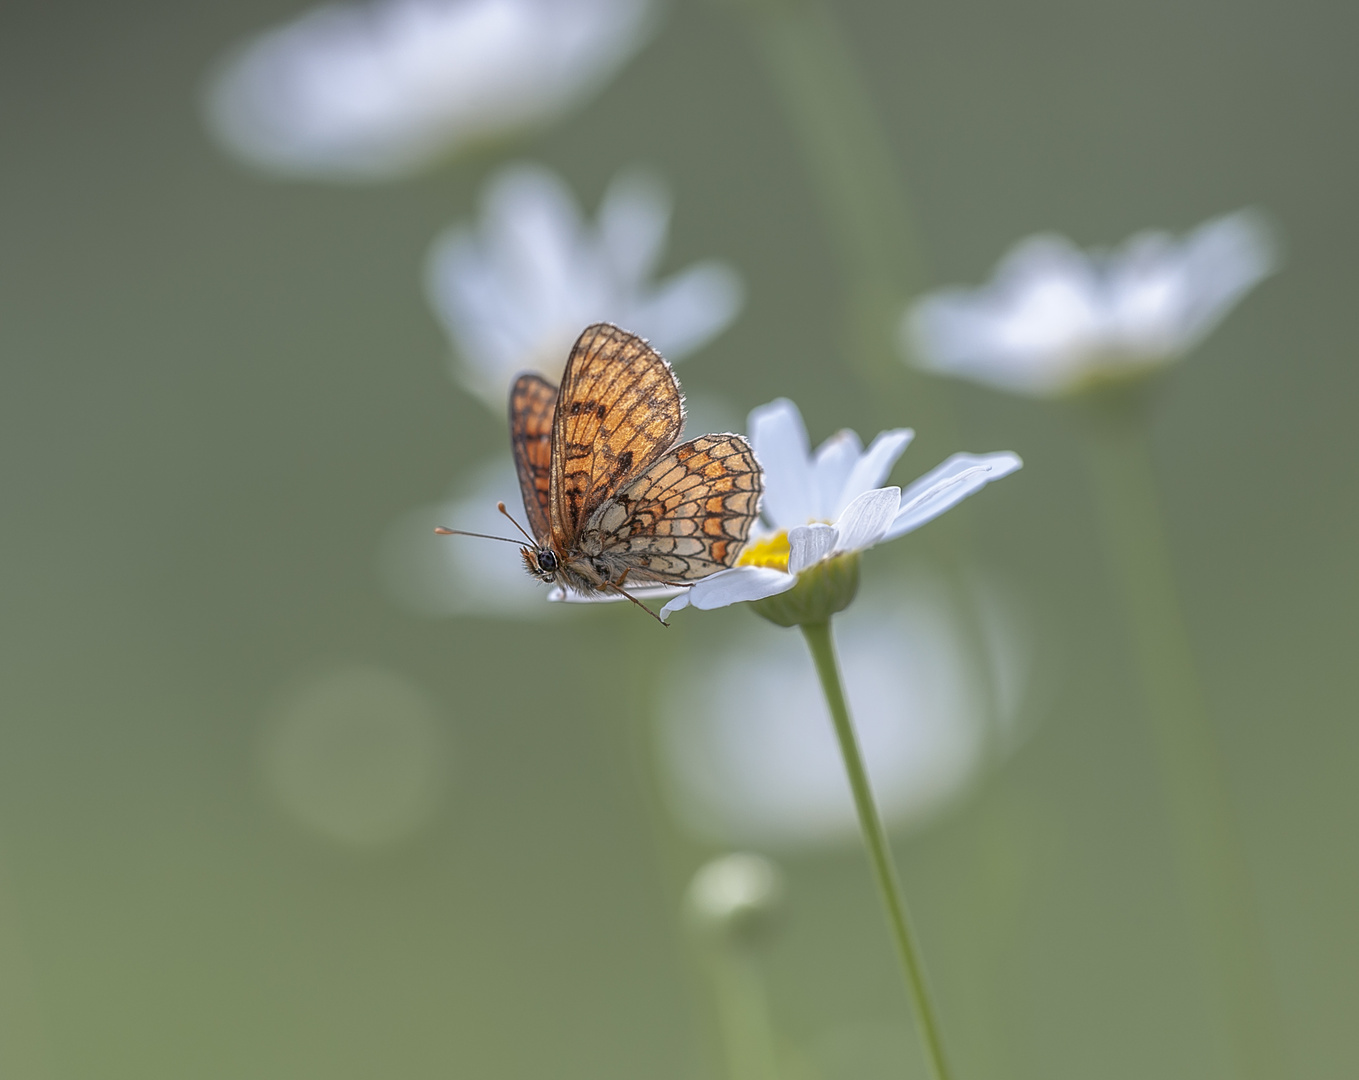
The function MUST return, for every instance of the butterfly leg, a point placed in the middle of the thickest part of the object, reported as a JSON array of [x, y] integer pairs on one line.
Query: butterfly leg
[[624, 592]]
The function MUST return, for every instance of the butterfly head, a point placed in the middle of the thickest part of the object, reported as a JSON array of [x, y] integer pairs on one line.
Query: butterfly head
[[541, 562]]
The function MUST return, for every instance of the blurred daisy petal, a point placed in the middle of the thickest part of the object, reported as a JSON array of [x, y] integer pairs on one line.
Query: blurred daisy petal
[[372, 91], [514, 291], [691, 307], [1054, 318], [634, 221], [1227, 257]]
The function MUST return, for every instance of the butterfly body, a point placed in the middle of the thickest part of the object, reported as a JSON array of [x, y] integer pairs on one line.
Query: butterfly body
[[588, 569], [610, 497]]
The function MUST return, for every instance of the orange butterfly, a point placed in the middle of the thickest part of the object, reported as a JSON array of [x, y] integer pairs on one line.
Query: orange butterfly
[[610, 498]]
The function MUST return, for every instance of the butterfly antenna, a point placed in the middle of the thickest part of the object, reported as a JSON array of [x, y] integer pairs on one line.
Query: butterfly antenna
[[484, 536], [501, 508]]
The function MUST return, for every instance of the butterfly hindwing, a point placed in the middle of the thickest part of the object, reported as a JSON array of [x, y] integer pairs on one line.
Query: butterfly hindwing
[[532, 404], [619, 409], [689, 514]]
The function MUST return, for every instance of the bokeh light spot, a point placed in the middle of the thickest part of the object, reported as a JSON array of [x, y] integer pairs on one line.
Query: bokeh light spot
[[356, 755]]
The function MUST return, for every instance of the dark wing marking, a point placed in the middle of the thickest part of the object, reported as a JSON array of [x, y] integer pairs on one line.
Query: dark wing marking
[[532, 403], [689, 514], [620, 408]]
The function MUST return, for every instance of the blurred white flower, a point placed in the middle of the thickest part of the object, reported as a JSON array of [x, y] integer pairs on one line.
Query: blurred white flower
[[753, 759], [818, 506], [372, 91], [514, 291], [1055, 318]]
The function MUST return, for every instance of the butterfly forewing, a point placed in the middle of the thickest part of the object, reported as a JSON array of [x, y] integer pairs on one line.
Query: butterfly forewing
[[619, 409], [532, 403], [689, 514]]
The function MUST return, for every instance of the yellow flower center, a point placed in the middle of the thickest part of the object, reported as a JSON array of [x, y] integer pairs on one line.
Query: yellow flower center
[[772, 552]]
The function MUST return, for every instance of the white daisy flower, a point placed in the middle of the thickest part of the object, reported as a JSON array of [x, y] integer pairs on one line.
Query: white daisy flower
[[1054, 318], [758, 764], [372, 91], [820, 506], [514, 290]]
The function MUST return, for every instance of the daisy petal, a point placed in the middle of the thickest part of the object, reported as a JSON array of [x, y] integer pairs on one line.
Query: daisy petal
[[558, 594], [948, 485], [671, 606], [634, 217], [734, 586], [1225, 258], [809, 544], [865, 520], [780, 440], [1029, 331], [835, 460], [1053, 315], [514, 288], [871, 470], [1144, 297], [531, 234], [378, 90], [688, 309]]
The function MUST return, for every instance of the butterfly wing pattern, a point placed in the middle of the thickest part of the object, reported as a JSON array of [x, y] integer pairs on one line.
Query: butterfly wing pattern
[[688, 515], [532, 404], [609, 496], [621, 410]]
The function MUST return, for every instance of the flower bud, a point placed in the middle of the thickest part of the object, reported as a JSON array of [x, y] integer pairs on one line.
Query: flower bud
[[735, 899]]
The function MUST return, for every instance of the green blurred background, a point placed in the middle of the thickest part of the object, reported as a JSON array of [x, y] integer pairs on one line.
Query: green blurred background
[[220, 390]]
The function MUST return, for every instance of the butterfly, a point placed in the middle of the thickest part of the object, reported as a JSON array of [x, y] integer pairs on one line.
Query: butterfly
[[611, 500]]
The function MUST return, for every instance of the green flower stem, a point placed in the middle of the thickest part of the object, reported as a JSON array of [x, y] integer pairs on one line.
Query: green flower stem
[[819, 641], [851, 165], [1208, 852], [742, 1001]]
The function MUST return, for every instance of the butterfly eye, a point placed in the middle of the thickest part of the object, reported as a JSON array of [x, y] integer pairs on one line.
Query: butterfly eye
[[547, 561]]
